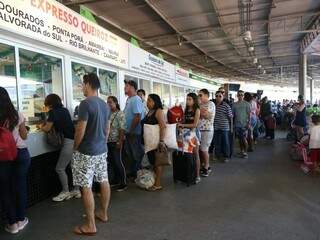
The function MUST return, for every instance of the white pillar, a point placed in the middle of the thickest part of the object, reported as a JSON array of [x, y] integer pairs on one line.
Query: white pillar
[[303, 75], [311, 90]]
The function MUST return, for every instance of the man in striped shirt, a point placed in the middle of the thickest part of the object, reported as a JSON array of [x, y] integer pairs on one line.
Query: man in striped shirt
[[222, 127]]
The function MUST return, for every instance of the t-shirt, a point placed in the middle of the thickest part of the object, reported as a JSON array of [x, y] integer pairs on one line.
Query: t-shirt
[[254, 108], [241, 111], [134, 106], [96, 113], [16, 135], [117, 122], [206, 124], [222, 117], [314, 142], [62, 122]]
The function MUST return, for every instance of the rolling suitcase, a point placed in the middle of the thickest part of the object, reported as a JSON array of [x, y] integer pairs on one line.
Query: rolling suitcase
[[184, 167]]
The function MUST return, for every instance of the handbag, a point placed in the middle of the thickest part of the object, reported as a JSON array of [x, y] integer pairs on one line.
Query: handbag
[[55, 138], [162, 158]]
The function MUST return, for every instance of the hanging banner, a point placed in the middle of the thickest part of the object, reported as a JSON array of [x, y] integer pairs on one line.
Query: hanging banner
[[182, 76], [143, 62], [202, 79], [53, 23]]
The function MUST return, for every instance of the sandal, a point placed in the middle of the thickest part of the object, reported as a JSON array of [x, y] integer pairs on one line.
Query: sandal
[[79, 231], [154, 188]]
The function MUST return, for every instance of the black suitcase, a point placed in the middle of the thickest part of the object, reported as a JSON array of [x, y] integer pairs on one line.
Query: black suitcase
[[184, 167]]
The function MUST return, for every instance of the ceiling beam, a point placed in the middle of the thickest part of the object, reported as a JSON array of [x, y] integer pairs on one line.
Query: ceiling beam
[[153, 6]]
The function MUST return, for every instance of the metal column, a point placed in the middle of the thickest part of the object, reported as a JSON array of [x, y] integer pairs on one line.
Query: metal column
[[311, 90], [303, 75]]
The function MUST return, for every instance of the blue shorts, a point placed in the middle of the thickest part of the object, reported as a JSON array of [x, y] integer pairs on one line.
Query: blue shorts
[[241, 132]]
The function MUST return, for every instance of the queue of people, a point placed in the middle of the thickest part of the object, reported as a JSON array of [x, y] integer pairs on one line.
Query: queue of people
[[105, 136]]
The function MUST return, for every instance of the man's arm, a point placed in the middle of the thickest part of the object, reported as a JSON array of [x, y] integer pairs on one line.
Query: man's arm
[[135, 121], [79, 134]]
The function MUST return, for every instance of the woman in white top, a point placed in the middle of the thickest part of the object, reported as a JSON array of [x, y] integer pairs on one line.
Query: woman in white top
[[13, 174]]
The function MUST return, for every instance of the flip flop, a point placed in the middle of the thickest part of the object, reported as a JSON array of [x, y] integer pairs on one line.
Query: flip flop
[[154, 188], [79, 231]]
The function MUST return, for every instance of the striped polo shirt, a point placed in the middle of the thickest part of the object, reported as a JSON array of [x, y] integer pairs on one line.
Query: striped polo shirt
[[223, 114]]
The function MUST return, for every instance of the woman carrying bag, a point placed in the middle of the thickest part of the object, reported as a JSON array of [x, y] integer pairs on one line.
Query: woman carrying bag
[[156, 116], [14, 171]]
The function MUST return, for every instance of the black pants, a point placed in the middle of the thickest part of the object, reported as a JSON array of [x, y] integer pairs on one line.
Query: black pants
[[116, 163]]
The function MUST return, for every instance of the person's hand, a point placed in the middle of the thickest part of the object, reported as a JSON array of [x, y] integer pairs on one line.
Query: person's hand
[[119, 145], [179, 125], [162, 147]]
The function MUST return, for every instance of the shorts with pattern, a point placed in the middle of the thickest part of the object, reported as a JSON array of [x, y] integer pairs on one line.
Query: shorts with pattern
[[87, 168], [241, 132], [205, 141]]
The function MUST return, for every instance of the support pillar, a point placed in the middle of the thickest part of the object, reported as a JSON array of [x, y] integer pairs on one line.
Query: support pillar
[[303, 75], [311, 90]]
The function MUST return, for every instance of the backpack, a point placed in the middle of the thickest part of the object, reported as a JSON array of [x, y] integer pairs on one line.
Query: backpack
[[175, 114], [8, 146]]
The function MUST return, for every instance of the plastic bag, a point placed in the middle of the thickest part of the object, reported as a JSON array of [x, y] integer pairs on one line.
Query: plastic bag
[[145, 179]]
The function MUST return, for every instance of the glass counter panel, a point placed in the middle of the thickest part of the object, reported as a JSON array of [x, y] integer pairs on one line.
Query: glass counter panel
[[40, 75], [8, 78], [166, 95], [157, 89], [108, 81], [78, 71], [145, 85]]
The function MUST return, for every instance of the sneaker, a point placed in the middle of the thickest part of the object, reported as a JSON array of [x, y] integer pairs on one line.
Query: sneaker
[[75, 194], [245, 155], [13, 228], [23, 224], [209, 169], [205, 173], [198, 180], [202, 170], [62, 197], [122, 188]]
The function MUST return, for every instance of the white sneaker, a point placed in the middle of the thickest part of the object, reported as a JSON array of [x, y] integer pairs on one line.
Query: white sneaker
[[13, 228], [75, 194], [198, 180], [23, 224], [62, 197]]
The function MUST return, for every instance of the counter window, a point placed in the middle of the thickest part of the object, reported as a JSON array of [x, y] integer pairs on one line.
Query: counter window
[[177, 95], [157, 89], [146, 85], [108, 81], [8, 71], [40, 75], [166, 95], [78, 71]]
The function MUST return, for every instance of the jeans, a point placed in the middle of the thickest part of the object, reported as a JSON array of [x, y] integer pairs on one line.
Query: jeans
[[133, 152], [115, 160], [222, 143], [63, 161], [13, 184], [6, 196]]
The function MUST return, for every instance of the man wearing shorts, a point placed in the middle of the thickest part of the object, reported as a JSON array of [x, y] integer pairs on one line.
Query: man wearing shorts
[[90, 153], [241, 112], [207, 112]]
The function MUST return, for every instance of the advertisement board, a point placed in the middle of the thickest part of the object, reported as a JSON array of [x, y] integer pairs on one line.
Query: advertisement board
[[143, 62], [182, 76], [50, 22]]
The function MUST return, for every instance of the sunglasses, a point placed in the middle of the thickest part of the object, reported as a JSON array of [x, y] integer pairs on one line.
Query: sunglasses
[[218, 96]]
